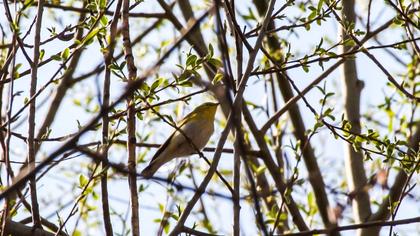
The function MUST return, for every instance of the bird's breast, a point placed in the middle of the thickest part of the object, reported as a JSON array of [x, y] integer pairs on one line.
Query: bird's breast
[[199, 132]]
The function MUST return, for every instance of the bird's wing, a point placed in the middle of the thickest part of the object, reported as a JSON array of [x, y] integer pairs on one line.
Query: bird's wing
[[162, 147], [168, 140], [187, 118]]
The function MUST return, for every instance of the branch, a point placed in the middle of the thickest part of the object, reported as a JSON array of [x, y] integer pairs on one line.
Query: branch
[[390, 78], [24, 175], [397, 187], [236, 102], [107, 12], [293, 100], [315, 177], [17, 229], [108, 56], [356, 175], [36, 219], [356, 226], [131, 120], [292, 207]]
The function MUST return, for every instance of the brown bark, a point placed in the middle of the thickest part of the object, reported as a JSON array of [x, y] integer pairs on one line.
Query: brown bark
[[352, 87]]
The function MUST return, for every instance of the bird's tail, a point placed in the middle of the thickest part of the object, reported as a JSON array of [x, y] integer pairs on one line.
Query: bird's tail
[[151, 169]]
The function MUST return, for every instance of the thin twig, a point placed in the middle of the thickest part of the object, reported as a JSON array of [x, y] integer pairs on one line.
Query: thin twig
[[36, 219]]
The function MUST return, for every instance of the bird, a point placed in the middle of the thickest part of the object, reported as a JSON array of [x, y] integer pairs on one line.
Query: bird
[[198, 126]]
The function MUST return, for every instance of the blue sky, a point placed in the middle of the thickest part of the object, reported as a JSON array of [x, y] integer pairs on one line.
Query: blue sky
[[330, 150]]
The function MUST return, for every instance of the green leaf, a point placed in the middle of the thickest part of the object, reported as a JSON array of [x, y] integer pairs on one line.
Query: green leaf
[[28, 2], [215, 62], [104, 20], [122, 65], [319, 7], [312, 15], [102, 4], [320, 89], [139, 115], [187, 84], [398, 21], [359, 32], [307, 26], [318, 125], [331, 54], [260, 170], [321, 64], [141, 188], [82, 180], [304, 63], [65, 54], [155, 84], [145, 87], [305, 68], [56, 57], [328, 112], [95, 195], [191, 60], [250, 15], [211, 51], [90, 36], [77, 102], [217, 78], [349, 43], [166, 227], [41, 54]]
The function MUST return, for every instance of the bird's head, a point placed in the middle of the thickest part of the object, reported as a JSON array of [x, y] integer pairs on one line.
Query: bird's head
[[207, 109]]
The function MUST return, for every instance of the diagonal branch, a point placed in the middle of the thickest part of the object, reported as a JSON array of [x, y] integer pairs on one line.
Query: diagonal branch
[[236, 102]]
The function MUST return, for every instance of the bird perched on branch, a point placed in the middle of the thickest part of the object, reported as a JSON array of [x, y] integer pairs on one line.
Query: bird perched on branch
[[197, 126]]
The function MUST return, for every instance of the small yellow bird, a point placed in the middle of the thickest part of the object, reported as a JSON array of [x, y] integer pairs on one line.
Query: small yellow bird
[[198, 126]]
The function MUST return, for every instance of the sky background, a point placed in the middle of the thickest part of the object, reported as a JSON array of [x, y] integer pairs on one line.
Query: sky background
[[330, 151]]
